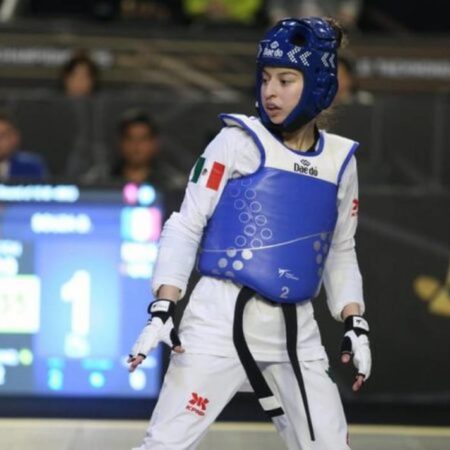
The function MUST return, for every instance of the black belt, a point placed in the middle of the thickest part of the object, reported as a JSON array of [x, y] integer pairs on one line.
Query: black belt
[[265, 396]]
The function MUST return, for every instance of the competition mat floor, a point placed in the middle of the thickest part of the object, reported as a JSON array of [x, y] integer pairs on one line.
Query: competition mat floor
[[35, 434]]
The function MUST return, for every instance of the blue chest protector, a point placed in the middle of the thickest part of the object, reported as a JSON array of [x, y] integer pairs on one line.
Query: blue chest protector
[[272, 230]]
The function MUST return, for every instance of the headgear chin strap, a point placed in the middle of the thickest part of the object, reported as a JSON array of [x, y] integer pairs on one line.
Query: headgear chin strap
[[310, 46]]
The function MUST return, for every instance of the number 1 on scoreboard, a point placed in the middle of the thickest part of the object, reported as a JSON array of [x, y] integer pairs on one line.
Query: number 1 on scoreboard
[[77, 292]]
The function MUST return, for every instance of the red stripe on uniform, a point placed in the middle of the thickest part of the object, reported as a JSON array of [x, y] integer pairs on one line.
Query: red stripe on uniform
[[215, 177]]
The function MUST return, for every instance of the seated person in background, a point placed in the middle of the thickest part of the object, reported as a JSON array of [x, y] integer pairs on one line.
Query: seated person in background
[[347, 12], [79, 76], [139, 149], [138, 157], [348, 90], [16, 164]]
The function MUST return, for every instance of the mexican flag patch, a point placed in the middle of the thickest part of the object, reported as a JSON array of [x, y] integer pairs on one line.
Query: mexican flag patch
[[208, 173]]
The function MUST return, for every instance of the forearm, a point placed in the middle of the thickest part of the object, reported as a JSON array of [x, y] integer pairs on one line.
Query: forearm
[[352, 309], [343, 283], [169, 293]]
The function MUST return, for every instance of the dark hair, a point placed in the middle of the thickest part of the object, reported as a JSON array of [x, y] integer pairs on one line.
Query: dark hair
[[341, 32], [81, 58], [326, 119], [135, 117]]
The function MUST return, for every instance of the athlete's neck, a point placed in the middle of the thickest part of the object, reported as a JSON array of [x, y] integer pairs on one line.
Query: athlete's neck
[[303, 139]]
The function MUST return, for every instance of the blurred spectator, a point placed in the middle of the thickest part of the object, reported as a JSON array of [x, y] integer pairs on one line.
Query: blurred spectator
[[16, 164], [346, 12], [98, 9], [105, 9], [79, 79], [154, 10], [138, 160], [348, 90], [79, 76], [225, 11], [139, 149]]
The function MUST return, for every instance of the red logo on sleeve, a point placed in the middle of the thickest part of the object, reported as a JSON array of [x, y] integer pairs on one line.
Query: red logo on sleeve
[[197, 404], [355, 207]]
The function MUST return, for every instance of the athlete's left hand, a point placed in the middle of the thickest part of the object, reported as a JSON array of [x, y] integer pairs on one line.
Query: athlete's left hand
[[355, 344], [159, 328]]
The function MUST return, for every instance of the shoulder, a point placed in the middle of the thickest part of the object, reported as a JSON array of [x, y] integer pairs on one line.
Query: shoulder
[[230, 138], [231, 134], [341, 149], [26, 163], [27, 158], [339, 141], [236, 149]]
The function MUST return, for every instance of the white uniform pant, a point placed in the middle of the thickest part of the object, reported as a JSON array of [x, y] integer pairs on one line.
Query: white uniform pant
[[197, 387]]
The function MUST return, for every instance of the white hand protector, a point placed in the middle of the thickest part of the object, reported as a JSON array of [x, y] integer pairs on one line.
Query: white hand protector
[[356, 344], [159, 328]]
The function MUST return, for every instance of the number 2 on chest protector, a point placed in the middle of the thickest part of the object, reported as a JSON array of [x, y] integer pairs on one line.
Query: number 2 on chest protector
[[284, 292]]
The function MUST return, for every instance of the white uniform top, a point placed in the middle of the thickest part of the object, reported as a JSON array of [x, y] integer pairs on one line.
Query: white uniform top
[[207, 323]]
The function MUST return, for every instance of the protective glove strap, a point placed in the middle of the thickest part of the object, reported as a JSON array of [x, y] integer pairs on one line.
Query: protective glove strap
[[357, 324], [162, 308]]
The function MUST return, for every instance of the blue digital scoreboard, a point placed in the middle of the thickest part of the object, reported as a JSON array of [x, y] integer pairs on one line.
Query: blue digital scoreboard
[[75, 272]]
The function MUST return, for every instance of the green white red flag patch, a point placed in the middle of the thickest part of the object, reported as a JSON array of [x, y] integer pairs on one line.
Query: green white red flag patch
[[208, 173]]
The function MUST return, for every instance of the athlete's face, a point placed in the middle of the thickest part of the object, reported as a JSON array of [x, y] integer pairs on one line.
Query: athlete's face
[[281, 89]]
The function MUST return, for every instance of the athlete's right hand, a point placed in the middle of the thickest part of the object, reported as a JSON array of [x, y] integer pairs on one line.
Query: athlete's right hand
[[159, 328]]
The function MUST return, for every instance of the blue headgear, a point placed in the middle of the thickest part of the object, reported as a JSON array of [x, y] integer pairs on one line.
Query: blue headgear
[[310, 46]]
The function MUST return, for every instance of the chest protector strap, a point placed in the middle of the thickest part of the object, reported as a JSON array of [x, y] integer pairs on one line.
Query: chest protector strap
[[267, 400]]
